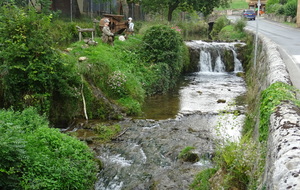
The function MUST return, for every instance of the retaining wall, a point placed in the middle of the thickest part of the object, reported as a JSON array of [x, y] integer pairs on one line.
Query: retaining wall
[[282, 169]]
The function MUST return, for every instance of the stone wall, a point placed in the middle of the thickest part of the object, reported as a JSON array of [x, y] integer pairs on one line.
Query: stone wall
[[282, 169], [280, 18]]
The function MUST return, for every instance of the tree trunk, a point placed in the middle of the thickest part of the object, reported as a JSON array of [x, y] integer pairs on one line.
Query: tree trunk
[[172, 7], [170, 14]]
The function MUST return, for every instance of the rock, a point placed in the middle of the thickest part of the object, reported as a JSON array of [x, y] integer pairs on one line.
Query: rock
[[92, 43], [122, 38], [82, 59], [84, 46], [68, 49], [221, 101]]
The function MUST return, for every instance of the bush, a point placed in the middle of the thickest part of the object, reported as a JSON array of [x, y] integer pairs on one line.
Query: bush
[[33, 156], [240, 164], [219, 24], [229, 33], [64, 33], [290, 8], [34, 73], [162, 50]]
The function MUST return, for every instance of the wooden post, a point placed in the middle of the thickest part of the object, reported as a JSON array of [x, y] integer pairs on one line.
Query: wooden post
[[298, 14], [80, 35]]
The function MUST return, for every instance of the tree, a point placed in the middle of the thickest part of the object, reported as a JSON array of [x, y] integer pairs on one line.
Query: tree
[[204, 6]]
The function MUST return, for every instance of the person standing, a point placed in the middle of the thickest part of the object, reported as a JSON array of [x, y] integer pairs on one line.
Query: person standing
[[130, 27], [107, 35]]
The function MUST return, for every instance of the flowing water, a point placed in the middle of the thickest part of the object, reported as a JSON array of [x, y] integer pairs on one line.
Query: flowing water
[[146, 155]]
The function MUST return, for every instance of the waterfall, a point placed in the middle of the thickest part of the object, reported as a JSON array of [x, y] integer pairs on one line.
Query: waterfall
[[238, 67], [217, 57], [219, 65], [205, 62]]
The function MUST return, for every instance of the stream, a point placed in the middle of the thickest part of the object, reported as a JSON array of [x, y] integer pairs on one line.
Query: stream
[[198, 113]]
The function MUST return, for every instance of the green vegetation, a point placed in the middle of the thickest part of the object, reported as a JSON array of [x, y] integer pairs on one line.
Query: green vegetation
[[287, 8], [201, 181], [235, 4], [112, 81], [106, 133], [34, 156], [270, 99], [187, 155], [32, 72], [131, 69], [238, 4], [226, 31]]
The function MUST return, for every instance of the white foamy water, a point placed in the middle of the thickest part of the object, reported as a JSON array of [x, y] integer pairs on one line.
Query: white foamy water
[[116, 159]]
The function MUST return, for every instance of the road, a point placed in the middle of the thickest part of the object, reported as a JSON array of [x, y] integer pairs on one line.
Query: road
[[288, 40]]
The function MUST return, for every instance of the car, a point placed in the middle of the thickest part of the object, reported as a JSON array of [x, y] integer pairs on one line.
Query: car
[[249, 14]]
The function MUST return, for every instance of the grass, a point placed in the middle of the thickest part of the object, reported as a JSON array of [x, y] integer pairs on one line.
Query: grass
[[236, 4], [294, 25]]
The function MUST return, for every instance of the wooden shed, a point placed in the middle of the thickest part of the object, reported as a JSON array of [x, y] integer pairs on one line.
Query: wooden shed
[[117, 23]]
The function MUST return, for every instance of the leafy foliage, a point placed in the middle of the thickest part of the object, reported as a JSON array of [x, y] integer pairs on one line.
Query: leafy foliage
[[270, 99], [283, 7], [33, 73], [162, 50], [219, 24], [201, 181], [34, 156], [241, 162], [290, 8]]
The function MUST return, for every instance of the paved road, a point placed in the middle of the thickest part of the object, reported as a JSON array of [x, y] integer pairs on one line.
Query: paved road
[[288, 40]]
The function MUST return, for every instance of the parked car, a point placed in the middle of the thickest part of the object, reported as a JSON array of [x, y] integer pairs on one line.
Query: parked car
[[249, 14]]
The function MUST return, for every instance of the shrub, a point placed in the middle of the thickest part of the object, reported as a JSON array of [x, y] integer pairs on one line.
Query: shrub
[[290, 8], [220, 23], [240, 25], [116, 83], [34, 156], [241, 164], [35, 74], [161, 44], [162, 50], [229, 33]]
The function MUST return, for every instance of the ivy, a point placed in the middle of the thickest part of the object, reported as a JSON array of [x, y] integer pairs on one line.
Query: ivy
[[270, 99]]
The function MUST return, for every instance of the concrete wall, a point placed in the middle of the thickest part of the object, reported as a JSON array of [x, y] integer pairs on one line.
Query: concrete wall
[[282, 169]]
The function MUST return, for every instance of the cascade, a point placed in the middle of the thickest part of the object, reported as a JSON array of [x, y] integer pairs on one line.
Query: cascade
[[217, 57]]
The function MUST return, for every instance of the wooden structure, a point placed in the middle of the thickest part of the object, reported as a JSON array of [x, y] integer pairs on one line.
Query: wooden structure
[[80, 30], [117, 25]]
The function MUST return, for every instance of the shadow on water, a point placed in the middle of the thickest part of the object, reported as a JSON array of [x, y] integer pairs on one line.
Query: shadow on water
[[164, 106]]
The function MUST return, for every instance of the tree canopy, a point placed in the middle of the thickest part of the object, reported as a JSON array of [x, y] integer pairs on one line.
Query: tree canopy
[[203, 6]]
